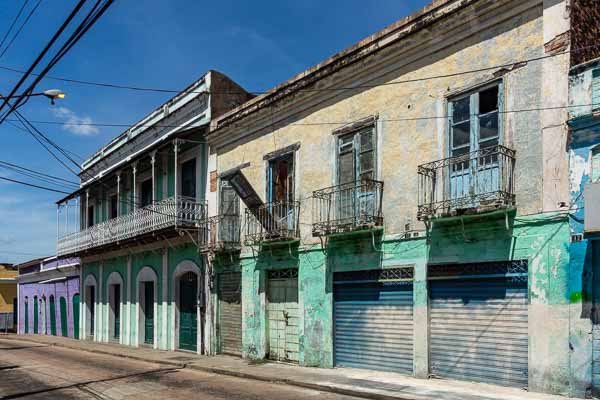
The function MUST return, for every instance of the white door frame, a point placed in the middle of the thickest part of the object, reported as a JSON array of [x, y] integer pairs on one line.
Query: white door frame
[[146, 274], [90, 281], [182, 268], [114, 278]]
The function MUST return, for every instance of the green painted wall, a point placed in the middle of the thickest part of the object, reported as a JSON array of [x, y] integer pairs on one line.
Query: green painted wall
[[542, 240]]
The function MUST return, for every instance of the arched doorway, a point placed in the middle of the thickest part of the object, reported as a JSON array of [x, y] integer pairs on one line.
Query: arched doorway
[[146, 295], [26, 315], [89, 318], [52, 315], [35, 315], [76, 301], [64, 328], [114, 285], [187, 316]]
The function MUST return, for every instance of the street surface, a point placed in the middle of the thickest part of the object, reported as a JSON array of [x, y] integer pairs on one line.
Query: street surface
[[36, 371]]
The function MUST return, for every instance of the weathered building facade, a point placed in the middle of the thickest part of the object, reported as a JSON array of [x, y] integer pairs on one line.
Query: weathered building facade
[[8, 296], [404, 205], [135, 225], [49, 298]]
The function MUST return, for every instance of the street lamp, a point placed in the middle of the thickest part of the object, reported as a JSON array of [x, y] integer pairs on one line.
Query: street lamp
[[52, 94]]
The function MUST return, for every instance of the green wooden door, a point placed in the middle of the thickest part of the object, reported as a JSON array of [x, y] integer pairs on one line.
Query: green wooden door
[[188, 317], [52, 316], [283, 315], [149, 312], [26, 316], [64, 328], [76, 316], [35, 315], [117, 311]]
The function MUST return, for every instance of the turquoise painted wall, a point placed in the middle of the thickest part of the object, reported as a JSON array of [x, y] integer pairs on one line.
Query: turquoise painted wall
[[542, 240]]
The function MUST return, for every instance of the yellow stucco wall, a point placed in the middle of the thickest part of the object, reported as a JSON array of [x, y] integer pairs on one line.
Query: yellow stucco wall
[[405, 144], [8, 292]]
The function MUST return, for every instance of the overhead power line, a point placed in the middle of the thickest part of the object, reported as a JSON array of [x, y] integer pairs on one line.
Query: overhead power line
[[32, 185], [20, 28], [13, 23], [37, 174]]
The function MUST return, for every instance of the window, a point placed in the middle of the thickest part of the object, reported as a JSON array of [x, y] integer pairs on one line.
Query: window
[[114, 209], [90, 216], [228, 200], [146, 193], [596, 89], [474, 121], [356, 156], [188, 178], [280, 179], [595, 172]]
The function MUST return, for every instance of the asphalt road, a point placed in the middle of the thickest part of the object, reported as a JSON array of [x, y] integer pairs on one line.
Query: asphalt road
[[34, 371]]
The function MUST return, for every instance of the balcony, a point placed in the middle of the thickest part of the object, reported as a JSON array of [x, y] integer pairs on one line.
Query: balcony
[[472, 183], [272, 222], [348, 207], [221, 233], [161, 217]]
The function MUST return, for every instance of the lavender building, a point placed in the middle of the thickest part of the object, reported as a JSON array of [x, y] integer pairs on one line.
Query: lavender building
[[48, 293]]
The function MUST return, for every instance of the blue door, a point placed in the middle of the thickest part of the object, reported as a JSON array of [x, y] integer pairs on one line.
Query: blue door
[[374, 325]]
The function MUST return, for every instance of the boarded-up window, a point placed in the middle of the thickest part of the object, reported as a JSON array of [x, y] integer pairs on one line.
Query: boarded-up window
[[228, 200], [596, 89], [595, 173], [213, 181]]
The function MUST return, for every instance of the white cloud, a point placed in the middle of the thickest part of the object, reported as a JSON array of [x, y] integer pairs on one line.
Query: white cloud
[[79, 125]]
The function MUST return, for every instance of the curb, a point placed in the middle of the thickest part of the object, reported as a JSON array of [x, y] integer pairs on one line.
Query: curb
[[232, 373]]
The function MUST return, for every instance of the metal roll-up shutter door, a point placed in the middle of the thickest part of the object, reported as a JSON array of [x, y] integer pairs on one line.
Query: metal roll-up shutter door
[[230, 313], [596, 361], [479, 325], [374, 320]]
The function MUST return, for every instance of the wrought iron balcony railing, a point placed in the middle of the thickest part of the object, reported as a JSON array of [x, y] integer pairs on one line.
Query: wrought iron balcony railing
[[348, 207], [479, 181], [173, 212], [272, 221], [221, 232]]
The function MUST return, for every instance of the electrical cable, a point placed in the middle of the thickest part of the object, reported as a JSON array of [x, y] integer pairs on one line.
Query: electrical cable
[[32, 185], [20, 28], [13, 23]]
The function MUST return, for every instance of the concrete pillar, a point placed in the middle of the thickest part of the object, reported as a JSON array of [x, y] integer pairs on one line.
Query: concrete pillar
[[118, 193], [165, 291], [128, 313], [98, 335], [421, 321]]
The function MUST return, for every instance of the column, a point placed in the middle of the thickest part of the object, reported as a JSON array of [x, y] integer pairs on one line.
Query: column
[[118, 193], [165, 291], [87, 206], [421, 321], [152, 162], [176, 192], [128, 313], [134, 193], [99, 335]]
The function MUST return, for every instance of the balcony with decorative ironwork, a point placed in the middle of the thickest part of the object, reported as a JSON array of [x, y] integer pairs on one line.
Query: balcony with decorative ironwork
[[475, 182], [163, 218], [272, 222], [348, 207], [221, 233]]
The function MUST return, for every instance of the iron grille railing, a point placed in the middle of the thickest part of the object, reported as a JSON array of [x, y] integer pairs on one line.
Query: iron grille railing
[[347, 207], [476, 181], [172, 212], [272, 221], [221, 232]]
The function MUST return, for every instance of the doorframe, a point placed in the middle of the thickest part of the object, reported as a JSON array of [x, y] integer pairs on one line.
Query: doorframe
[[90, 281], [182, 268], [146, 274], [114, 278]]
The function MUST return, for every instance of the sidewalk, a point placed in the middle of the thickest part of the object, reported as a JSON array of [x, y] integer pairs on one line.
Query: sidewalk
[[354, 382]]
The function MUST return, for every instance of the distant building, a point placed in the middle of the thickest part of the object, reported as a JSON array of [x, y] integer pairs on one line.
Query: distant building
[[49, 297], [8, 296]]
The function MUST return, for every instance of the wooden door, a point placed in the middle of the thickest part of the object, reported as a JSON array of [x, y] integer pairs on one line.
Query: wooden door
[[188, 317]]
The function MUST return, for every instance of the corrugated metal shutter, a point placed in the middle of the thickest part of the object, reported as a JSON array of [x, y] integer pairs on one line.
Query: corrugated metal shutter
[[374, 325], [230, 313], [596, 360], [478, 330]]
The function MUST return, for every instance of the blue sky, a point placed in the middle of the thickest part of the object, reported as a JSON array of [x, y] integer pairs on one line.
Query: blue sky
[[156, 43]]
